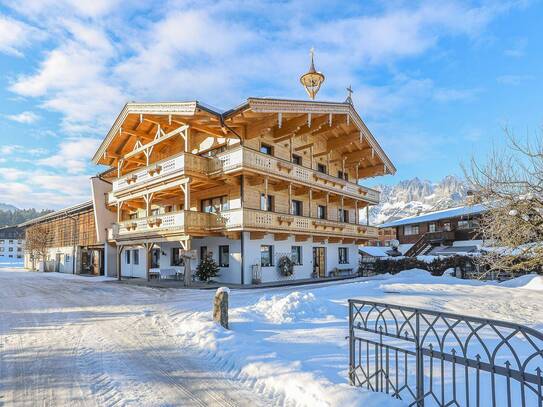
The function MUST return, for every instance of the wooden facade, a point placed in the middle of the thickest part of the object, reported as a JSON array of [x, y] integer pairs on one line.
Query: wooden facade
[[290, 169]]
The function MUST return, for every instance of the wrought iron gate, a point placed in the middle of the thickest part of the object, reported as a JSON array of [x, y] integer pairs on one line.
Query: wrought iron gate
[[430, 358]]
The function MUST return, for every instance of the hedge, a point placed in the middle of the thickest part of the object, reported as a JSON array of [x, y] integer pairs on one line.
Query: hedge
[[437, 266]]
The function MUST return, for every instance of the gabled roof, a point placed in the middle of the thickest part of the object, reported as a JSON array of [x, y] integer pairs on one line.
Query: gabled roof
[[461, 211], [57, 214], [262, 105]]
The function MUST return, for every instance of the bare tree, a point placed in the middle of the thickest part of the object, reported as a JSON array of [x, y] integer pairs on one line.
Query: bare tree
[[510, 183], [37, 239]]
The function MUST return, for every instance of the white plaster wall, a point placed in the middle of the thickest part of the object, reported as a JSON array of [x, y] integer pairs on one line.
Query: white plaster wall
[[269, 274], [103, 218], [231, 274]]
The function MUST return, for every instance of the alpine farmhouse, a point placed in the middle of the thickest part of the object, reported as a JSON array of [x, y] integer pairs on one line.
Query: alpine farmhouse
[[267, 179]]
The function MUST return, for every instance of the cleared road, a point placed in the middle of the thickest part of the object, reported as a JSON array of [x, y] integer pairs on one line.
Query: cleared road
[[77, 341]]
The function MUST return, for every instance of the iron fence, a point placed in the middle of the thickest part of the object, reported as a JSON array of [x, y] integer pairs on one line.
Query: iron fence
[[430, 358]]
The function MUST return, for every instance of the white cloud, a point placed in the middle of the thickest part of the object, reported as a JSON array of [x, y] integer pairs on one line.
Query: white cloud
[[15, 35], [73, 155], [513, 79], [24, 117]]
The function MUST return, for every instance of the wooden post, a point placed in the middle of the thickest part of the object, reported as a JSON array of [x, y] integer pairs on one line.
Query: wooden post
[[290, 197], [327, 206], [311, 157], [342, 209], [185, 187], [356, 215], [119, 261], [310, 202], [186, 244], [148, 250], [266, 194]]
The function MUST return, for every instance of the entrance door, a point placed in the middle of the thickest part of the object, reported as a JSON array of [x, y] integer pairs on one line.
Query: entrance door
[[319, 261], [57, 262], [97, 262]]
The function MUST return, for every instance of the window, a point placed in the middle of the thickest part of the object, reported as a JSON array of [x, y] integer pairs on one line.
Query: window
[[224, 256], [447, 226], [431, 227], [176, 259], [136, 256], [297, 159], [343, 175], [133, 215], [10, 241], [2, 241], [321, 168], [266, 204], [155, 211], [203, 252], [127, 256], [321, 212], [296, 255], [214, 205], [296, 208], [266, 256], [67, 258], [18, 249], [343, 255], [266, 149], [411, 230], [19, 242], [1, 249], [168, 209], [343, 215]]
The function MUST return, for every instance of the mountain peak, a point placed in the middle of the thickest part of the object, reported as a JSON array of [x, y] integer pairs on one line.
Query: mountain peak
[[413, 196]]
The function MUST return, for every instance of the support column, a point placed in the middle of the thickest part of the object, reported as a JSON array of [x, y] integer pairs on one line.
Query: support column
[[187, 140], [342, 208], [185, 187], [187, 246], [119, 210], [356, 215], [327, 206], [290, 198], [311, 157], [367, 215], [310, 202], [266, 193], [148, 251], [148, 198], [119, 262]]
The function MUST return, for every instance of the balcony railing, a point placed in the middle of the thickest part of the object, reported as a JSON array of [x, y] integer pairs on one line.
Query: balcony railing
[[172, 166], [242, 157], [241, 219], [234, 160]]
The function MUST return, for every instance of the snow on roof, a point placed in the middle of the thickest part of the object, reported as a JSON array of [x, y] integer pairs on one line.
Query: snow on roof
[[375, 251], [437, 215]]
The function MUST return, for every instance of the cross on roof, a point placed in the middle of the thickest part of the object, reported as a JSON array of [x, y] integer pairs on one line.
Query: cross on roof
[[350, 93]]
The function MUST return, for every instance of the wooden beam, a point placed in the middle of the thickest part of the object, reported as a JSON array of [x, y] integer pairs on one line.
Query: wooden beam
[[304, 147], [371, 171], [342, 141], [256, 235], [301, 238], [280, 236], [357, 155], [288, 127]]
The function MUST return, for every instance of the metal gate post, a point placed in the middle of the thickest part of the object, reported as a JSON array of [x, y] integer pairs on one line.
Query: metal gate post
[[351, 344], [420, 363]]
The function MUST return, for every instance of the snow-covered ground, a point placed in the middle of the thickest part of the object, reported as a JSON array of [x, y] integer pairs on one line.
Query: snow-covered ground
[[82, 341]]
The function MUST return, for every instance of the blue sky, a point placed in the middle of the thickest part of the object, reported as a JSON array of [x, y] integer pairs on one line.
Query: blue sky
[[436, 82]]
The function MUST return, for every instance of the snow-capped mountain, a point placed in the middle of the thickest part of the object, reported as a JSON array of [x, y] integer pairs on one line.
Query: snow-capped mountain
[[414, 196]]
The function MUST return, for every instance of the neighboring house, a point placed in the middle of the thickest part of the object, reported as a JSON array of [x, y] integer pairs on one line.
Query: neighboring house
[[72, 244], [11, 243], [385, 237], [445, 232], [267, 179]]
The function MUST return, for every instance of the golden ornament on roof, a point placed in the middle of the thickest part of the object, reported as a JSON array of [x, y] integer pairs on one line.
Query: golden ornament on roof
[[312, 80]]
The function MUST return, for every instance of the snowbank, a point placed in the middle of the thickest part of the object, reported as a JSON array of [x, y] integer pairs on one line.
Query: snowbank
[[290, 342], [529, 282]]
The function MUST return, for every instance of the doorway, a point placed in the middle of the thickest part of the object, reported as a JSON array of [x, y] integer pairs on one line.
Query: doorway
[[319, 261]]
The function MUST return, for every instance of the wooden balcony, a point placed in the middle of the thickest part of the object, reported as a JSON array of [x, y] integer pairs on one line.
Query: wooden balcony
[[164, 170], [202, 224], [248, 159]]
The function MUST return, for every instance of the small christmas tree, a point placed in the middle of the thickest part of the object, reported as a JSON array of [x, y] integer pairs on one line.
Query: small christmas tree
[[207, 268]]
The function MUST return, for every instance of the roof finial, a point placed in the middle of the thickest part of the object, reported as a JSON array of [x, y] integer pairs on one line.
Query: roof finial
[[349, 94], [312, 79]]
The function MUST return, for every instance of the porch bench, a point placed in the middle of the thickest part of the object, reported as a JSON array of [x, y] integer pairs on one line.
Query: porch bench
[[338, 272]]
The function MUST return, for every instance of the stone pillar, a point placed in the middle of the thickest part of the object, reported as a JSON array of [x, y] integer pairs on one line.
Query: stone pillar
[[220, 306]]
